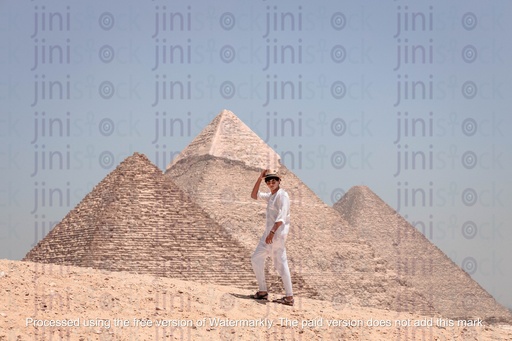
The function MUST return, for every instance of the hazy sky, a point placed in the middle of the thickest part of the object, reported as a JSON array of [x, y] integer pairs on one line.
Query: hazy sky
[[409, 98]]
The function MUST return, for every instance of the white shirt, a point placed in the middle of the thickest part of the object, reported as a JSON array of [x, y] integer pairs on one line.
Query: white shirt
[[278, 209]]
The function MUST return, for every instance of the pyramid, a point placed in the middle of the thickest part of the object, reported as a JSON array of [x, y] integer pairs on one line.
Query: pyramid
[[322, 251], [137, 220], [415, 259], [228, 137]]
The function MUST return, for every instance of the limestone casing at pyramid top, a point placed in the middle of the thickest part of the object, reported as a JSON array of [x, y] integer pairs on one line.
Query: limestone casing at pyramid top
[[226, 136]]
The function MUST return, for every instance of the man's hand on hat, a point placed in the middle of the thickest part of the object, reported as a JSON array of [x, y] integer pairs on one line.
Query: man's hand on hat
[[263, 173]]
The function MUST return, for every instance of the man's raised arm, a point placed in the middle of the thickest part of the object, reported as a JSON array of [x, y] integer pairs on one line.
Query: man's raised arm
[[254, 193]]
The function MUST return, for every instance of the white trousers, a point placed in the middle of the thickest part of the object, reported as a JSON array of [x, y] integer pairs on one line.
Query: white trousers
[[277, 252]]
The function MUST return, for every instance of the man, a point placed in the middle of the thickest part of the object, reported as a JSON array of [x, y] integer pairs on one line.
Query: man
[[272, 242]]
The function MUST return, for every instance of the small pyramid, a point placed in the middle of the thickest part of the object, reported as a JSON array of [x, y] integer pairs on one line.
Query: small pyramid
[[322, 252], [415, 259], [228, 137], [137, 220]]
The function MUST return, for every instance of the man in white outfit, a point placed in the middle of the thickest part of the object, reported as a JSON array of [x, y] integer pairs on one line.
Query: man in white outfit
[[272, 242]]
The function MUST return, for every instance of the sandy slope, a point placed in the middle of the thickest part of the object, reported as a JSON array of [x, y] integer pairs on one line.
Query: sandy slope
[[50, 293]]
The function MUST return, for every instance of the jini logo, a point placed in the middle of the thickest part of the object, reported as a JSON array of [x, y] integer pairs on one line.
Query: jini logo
[[51, 159], [172, 89], [413, 126], [51, 127], [51, 89], [282, 21], [166, 21], [45, 196], [47, 21], [171, 126], [277, 53], [172, 53], [408, 159], [45, 53], [407, 196], [407, 53], [414, 89], [409, 21]]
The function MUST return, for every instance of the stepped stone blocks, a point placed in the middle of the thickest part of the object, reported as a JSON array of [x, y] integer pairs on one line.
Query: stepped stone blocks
[[138, 220], [322, 250], [452, 292]]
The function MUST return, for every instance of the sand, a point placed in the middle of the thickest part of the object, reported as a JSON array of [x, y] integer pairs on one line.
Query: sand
[[91, 304]]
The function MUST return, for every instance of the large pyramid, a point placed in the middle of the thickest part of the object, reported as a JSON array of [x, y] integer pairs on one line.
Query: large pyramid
[[415, 259], [136, 219], [322, 250], [229, 138]]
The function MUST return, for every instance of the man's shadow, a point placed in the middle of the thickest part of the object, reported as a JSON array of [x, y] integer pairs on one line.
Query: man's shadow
[[248, 297]]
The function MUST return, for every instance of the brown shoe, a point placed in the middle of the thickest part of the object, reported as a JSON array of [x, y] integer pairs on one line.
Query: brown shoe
[[285, 300]]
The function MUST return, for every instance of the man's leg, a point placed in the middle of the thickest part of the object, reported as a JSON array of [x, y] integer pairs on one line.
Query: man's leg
[[258, 264], [281, 264]]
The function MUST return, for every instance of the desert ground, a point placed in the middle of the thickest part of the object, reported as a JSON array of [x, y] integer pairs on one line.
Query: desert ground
[[53, 302]]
